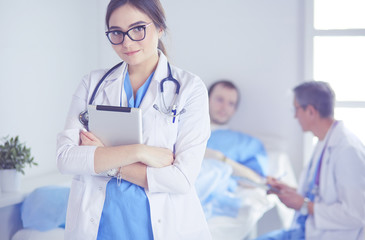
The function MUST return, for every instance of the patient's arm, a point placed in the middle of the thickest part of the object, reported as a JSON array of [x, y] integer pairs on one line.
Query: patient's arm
[[238, 169]]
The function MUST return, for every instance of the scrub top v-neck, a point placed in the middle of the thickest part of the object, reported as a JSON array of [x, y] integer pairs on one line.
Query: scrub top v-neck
[[126, 211]]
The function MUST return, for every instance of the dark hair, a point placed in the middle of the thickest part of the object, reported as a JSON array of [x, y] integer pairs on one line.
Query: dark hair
[[152, 8], [227, 84], [317, 94]]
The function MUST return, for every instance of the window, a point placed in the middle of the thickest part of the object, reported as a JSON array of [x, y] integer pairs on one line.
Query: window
[[335, 53], [339, 14]]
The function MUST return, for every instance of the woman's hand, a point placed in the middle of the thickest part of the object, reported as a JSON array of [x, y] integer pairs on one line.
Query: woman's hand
[[155, 156], [89, 139]]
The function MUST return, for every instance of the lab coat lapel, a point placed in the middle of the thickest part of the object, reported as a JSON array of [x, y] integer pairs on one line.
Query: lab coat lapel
[[114, 85], [154, 89], [113, 88], [332, 142]]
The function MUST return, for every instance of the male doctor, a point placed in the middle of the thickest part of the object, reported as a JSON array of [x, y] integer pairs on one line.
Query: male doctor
[[330, 201]]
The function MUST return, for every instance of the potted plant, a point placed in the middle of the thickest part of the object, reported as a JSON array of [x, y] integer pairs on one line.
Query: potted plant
[[14, 156]]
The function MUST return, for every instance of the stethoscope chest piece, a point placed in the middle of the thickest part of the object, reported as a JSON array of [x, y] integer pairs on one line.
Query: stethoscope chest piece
[[84, 118]]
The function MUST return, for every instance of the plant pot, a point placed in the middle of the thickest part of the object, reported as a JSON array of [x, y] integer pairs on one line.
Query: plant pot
[[10, 180]]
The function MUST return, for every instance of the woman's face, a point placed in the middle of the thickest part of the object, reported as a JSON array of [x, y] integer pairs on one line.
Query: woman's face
[[135, 52]]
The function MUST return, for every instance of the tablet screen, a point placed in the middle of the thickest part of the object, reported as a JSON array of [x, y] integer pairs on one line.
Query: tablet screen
[[116, 126]]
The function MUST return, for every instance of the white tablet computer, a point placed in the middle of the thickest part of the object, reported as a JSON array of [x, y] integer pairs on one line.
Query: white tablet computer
[[116, 126]]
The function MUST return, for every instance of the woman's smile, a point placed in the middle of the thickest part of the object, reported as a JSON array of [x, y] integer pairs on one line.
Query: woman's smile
[[131, 53]]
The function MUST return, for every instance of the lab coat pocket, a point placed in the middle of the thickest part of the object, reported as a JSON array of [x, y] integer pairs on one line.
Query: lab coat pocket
[[165, 130], [74, 204]]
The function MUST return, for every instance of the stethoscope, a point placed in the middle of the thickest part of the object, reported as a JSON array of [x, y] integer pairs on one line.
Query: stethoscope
[[168, 110], [313, 187]]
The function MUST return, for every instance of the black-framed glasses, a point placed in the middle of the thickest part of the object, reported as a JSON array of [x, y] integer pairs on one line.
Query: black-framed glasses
[[137, 33]]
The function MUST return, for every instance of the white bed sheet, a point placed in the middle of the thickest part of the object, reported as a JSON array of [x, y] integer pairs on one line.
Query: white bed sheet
[[256, 203]]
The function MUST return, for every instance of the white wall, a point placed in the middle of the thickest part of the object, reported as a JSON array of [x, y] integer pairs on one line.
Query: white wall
[[48, 45], [255, 43]]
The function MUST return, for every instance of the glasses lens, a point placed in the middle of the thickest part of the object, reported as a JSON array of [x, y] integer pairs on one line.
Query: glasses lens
[[116, 37], [137, 33]]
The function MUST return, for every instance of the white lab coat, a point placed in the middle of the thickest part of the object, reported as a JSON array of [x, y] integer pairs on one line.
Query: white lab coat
[[176, 212], [339, 209]]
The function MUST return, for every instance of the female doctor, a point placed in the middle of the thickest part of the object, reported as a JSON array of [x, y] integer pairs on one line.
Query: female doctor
[[156, 198]]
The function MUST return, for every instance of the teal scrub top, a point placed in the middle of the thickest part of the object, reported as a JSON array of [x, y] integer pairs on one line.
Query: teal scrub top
[[126, 211]]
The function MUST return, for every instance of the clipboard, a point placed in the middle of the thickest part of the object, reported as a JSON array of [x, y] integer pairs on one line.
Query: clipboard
[[116, 126]]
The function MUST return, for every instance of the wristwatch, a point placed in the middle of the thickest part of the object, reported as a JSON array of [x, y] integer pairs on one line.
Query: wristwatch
[[112, 172], [304, 209]]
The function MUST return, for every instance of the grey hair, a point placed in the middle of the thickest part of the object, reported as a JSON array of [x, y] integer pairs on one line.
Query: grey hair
[[317, 94]]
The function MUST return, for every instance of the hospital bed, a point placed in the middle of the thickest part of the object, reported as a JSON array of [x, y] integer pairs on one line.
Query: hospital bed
[[255, 203]]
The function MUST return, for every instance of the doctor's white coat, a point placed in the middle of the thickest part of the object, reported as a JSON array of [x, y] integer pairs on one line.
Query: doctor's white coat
[[339, 209], [176, 212]]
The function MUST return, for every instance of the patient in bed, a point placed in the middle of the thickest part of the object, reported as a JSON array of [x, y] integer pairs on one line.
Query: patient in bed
[[231, 156], [225, 143]]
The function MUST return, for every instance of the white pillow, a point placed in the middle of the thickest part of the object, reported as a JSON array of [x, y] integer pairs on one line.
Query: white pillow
[[30, 234]]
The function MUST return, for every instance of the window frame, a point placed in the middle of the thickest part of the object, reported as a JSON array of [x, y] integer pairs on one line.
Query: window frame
[[310, 33]]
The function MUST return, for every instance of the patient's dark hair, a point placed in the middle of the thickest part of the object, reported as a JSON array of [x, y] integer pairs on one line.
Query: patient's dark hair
[[318, 94], [152, 8], [227, 84]]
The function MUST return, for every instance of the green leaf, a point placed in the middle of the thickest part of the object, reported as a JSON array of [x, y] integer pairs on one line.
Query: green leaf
[[15, 155]]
